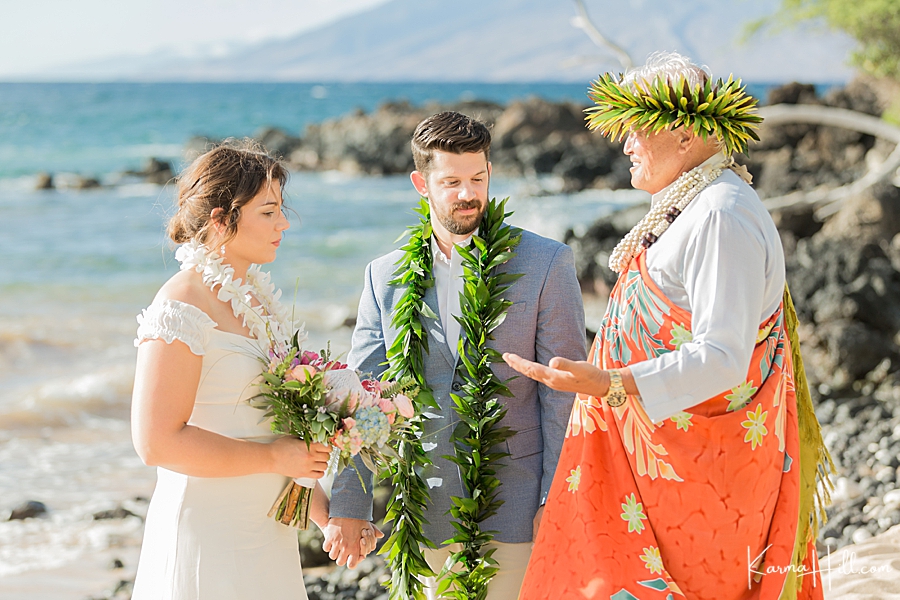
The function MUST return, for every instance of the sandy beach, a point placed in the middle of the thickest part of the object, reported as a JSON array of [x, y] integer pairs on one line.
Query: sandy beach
[[866, 571], [91, 576]]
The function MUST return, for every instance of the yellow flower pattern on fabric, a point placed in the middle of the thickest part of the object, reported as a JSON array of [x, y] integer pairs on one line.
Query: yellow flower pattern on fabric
[[740, 396], [755, 426], [633, 514], [681, 335], [682, 420], [652, 559], [574, 479], [764, 332]]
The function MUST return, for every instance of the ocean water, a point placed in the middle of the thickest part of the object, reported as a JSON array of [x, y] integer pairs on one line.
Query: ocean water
[[77, 266]]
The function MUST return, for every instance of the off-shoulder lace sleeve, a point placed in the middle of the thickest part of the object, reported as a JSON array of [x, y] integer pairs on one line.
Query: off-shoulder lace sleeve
[[170, 320]]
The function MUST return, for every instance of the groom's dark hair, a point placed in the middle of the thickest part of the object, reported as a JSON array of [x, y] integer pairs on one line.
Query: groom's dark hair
[[448, 132]]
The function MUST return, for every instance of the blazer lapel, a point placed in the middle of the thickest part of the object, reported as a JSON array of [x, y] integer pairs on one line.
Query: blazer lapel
[[435, 329]]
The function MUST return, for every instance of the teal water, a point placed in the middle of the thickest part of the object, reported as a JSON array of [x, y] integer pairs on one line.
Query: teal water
[[105, 127]]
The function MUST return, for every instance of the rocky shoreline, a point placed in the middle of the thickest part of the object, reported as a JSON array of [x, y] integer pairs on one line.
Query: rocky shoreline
[[532, 138], [545, 140]]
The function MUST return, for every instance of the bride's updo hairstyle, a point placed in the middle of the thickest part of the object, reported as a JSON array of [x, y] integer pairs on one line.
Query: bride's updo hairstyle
[[226, 177]]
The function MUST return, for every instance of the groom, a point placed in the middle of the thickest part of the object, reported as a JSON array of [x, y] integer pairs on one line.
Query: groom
[[546, 319]]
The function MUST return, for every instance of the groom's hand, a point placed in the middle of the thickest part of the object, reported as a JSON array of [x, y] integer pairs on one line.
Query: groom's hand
[[563, 374], [348, 541]]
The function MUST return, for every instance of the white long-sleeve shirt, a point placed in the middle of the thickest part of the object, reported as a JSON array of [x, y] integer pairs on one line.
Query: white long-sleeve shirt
[[448, 283], [722, 261]]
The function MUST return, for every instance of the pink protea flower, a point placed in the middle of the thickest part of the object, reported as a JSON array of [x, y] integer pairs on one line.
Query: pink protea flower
[[349, 423]]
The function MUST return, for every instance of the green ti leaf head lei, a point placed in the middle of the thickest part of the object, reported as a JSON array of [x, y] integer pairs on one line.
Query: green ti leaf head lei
[[721, 109], [478, 433]]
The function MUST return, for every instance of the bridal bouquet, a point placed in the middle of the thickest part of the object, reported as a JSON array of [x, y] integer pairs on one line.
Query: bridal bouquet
[[317, 399]]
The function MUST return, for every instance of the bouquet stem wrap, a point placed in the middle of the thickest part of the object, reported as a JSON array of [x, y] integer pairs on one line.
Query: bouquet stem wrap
[[292, 506]]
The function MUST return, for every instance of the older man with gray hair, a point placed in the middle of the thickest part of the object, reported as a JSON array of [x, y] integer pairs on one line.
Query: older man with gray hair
[[692, 453]]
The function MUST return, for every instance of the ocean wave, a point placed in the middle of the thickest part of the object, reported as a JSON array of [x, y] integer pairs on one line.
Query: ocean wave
[[68, 400], [29, 342], [68, 397], [552, 215], [12, 187]]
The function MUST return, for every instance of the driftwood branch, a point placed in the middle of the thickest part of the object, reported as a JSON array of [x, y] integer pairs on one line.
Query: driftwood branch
[[583, 22], [827, 202]]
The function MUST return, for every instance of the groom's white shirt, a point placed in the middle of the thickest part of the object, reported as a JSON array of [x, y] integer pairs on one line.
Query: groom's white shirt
[[448, 282]]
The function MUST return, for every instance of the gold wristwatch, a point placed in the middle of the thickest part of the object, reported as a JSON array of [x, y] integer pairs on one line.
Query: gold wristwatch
[[616, 395]]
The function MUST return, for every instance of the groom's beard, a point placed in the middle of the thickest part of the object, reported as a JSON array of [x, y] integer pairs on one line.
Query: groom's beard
[[462, 224]]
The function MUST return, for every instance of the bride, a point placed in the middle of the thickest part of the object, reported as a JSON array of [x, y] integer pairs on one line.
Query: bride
[[220, 469]]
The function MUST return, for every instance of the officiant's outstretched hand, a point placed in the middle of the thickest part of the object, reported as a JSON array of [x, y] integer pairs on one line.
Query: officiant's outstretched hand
[[566, 375]]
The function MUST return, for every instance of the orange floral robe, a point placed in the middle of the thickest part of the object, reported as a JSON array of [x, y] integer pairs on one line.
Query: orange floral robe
[[702, 505]]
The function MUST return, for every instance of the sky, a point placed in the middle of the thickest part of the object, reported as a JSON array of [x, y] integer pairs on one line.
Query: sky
[[37, 34]]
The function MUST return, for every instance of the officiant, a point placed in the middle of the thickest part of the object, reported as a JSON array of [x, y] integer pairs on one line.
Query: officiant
[[690, 463]]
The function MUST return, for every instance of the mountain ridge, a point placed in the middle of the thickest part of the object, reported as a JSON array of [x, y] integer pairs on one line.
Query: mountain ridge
[[504, 41]]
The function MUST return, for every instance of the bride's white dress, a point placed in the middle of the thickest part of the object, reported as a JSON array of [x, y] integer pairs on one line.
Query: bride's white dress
[[206, 537]]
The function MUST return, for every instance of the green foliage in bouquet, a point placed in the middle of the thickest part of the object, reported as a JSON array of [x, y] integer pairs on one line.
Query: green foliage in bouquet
[[297, 407], [721, 109]]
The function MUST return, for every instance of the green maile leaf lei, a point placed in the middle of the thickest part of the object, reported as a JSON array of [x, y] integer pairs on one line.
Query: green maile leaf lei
[[405, 357], [478, 432]]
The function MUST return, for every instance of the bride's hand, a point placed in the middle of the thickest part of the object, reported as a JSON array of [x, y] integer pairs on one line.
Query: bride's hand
[[291, 457]]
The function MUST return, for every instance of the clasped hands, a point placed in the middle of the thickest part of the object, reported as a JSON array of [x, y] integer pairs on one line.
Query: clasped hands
[[348, 541]]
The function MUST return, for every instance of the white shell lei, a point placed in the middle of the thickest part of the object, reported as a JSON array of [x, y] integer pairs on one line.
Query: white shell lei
[[269, 321], [664, 212]]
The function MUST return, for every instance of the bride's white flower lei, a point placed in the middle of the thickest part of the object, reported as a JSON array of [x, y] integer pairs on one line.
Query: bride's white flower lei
[[268, 322]]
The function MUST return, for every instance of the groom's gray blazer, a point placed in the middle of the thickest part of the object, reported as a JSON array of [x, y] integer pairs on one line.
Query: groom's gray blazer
[[545, 320]]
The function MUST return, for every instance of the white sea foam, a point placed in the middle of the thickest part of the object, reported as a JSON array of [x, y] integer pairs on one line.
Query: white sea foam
[[552, 215], [68, 400], [11, 188], [62, 537]]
